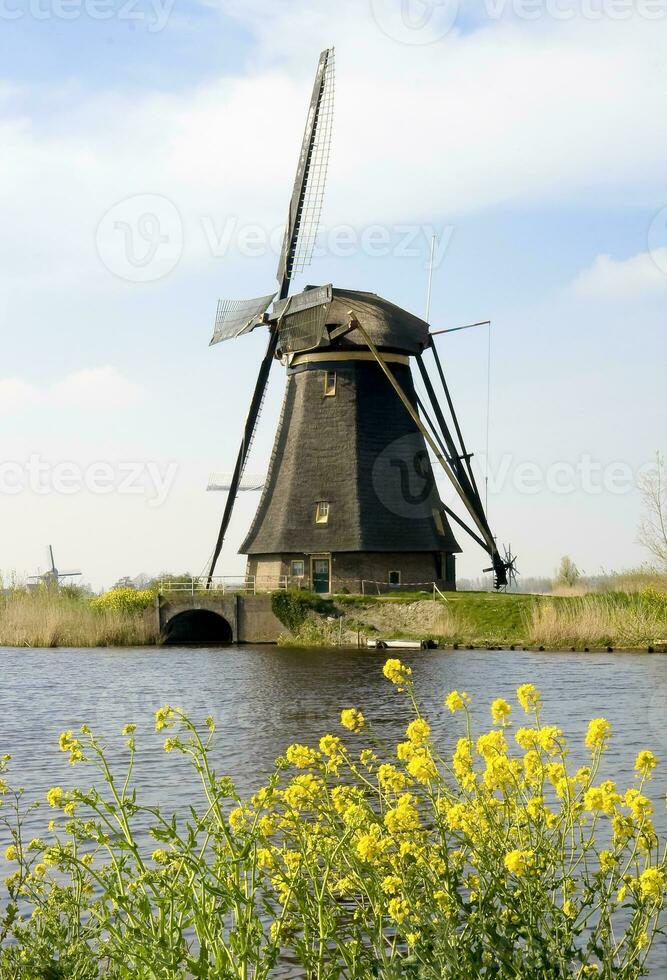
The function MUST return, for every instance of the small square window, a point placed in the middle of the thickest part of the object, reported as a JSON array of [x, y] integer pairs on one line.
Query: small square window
[[297, 568], [395, 577], [322, 512], [329, 383]]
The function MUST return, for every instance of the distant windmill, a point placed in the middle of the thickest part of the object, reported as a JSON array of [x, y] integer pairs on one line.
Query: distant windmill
[[350, 493], [53, 576]]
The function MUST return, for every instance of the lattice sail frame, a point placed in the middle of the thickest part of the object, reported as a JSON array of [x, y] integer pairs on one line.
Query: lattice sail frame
[[317, 174], [235, 317]]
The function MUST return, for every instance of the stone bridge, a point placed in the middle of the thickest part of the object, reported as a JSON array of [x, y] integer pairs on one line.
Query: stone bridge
[[215, 617]]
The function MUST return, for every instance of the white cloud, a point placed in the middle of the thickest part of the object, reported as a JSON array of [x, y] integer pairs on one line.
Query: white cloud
[[643, 273], [508, 114], [101, 389], [16, 395]]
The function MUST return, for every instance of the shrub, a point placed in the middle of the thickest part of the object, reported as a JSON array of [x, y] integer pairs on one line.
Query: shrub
[[123, 599], [494, 862], [292, 606]]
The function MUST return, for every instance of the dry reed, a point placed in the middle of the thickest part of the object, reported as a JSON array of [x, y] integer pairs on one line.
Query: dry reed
[[599, 620], [47, 618]]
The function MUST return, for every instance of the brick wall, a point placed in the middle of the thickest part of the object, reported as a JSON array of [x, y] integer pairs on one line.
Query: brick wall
[[348, 569]]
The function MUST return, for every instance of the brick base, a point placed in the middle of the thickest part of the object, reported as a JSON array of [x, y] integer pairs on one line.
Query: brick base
[[349, 569]]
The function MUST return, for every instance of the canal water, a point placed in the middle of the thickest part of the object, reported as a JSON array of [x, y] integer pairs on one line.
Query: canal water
[[263, 698]]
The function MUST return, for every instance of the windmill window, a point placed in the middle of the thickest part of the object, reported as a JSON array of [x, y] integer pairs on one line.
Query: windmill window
[[298, 568], [437, 520], [329, 383], [395, 577], [322, 512]]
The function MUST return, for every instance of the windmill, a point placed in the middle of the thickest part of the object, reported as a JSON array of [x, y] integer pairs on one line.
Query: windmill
[[53, 576], [350, 493]]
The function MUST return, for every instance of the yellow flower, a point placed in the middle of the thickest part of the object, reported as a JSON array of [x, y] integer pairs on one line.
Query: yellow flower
[[527, 738], [422, 767], [456, 701], [462, 763], [352, 719], [237, 819], [639, 805], [396, 672], [532, 765], [129, 730], [528, 697], [405, 751], [536, 809], [403, 817], [160, 856], [418, 731], [569, 909], [398, 909], [164, 717], [391, 884], [598, 734], [264, 857], [652, 883], [551, 739], [622, 892], [500, 711], [301, 756], [68, 743], [519, 862], [11, 854], [492, 744], [331, 745], [608, 861], [644, 762], [303, 791], [623, 828], [55, 795], [39, 870], [603, 798], [389, 777], [372, 844]]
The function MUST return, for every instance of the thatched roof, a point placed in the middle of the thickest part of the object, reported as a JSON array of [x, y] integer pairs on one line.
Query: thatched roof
[[389, 326]]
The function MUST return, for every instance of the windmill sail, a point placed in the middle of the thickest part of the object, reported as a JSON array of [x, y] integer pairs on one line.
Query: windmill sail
[[302, 221], [305, 205], [237, 317]]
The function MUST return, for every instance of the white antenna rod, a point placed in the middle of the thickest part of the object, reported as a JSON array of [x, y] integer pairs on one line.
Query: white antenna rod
[[430, 281], [488, 415]]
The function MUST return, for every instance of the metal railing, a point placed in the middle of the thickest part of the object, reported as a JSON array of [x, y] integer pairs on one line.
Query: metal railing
[[225, 584], [373, 587]]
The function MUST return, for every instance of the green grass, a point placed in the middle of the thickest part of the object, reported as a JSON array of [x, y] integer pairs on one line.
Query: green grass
[[593, 621]]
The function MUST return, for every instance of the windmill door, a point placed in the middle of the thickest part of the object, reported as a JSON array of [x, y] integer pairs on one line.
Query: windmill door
[[321, 569]]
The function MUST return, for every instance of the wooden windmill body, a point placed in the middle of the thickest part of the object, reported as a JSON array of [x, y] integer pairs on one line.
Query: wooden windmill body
[[350, 498]]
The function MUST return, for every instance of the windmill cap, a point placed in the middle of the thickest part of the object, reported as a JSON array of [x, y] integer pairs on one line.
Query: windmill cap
[[309, 319]]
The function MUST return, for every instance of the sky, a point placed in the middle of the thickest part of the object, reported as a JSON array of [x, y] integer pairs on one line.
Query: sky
[[148, 151]]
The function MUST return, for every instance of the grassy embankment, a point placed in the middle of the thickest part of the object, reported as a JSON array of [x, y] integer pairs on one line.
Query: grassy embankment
[[622, 620], [595, 620], [51, 618]]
